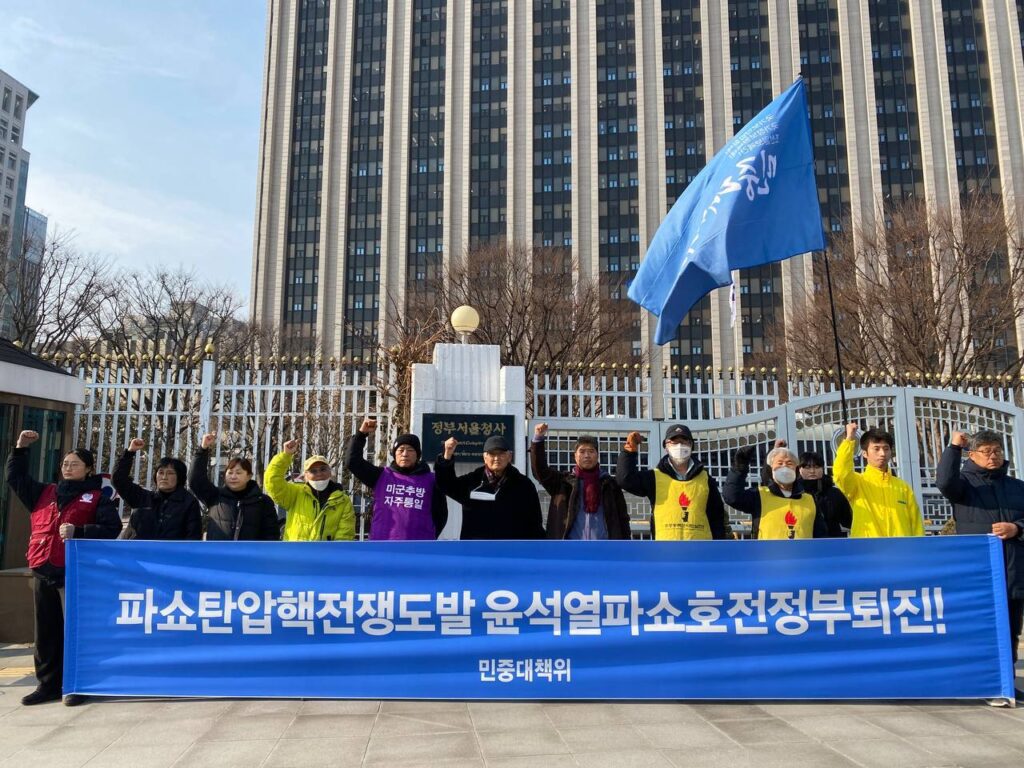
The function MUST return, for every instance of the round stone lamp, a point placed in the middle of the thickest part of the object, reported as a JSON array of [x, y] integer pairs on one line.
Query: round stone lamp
[[465, 320]]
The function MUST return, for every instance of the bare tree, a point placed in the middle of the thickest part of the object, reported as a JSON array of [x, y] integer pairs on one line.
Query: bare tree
[[55, 292], [932, 293]]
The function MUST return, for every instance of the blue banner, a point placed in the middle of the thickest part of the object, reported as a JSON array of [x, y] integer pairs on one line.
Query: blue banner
[[819, 619], [755, 202]]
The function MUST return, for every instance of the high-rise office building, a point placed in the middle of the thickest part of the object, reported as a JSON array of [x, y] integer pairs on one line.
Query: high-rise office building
[[396, 135]]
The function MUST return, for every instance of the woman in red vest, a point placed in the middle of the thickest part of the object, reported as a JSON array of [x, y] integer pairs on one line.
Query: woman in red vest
[[72, 508]]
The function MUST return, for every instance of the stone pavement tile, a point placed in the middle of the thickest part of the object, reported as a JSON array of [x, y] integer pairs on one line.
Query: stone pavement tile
[[317, 753], [730, 757], [225, 754], [603, 738], [988, 720], [761, 731], [264, 707], [53, 713], [14, 739], [887, 753], [471, 762], [870, 707], [640, 758], [65, 757], [118, 710], [835, 727], [646, 713], [684, 736], [914, 724], [419, 707], [529, 741], [591, 712], [251, 728], [88, 734], [429, 722], [970, 751], [152, 756], [533, 761], [785, 709], [155, 731], [430, 749], [336, 707], [798, 754], [174, 709], [507, 716], [714, 711], [330, 726]]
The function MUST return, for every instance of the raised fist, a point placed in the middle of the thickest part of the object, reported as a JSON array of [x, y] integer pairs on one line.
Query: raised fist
[[744, 457], [26, 438], [633, 440], [137, 444], [208, 440], [449, 447], [958, 438], [851, 430], [369, 426], [291, 447], [540, 431]]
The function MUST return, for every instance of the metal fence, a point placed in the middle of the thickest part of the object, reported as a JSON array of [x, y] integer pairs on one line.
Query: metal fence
[[256, 408]]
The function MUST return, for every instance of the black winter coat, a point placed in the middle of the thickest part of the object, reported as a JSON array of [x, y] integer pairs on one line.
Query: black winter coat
[[513, 514], [833, 507], [248, 515], [156, 515], [564, 489], [981, 497], [641, 482]]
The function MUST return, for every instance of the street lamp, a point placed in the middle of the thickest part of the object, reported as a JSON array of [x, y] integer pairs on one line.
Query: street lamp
[[465, 320]]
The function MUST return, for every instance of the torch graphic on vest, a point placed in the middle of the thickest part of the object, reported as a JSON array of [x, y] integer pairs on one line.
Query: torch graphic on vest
[[790, 523], [684, 505]]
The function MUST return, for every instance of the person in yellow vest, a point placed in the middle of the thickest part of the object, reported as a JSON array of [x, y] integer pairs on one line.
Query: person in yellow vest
[[883, 505], [685, 501], [779, 508]]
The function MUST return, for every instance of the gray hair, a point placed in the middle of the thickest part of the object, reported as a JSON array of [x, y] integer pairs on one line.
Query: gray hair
[[778, 452], [984, 437]]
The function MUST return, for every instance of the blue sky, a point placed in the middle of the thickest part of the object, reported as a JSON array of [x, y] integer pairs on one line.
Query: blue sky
[[144, 139]]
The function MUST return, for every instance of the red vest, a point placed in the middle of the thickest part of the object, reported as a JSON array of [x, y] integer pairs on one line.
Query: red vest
[[44, 543]]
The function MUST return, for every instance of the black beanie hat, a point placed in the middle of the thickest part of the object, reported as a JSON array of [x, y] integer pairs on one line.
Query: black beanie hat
[[407, 439]]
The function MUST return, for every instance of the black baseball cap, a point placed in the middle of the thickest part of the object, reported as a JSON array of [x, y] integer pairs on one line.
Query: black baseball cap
[[496, 443], [677, 431]]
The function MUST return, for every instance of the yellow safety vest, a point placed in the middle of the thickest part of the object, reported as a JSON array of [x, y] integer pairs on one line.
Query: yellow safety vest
[[783, 518], [681, 507]]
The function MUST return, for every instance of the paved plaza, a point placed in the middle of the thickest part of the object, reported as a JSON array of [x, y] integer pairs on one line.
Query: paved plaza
[[119, 733]]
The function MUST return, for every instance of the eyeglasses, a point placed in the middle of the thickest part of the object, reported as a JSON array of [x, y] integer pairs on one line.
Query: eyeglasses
[[71, 464], [989, 451]]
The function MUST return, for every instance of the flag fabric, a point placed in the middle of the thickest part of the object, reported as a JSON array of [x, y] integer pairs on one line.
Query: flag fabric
[[755, 203]]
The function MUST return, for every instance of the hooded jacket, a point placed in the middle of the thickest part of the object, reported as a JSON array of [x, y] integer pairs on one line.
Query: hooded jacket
[[246, 515], [368, 474], [105, 523], [642, 482], [512, 513], [156, 514], [883, 505], [564, 489], [311, 516], [981, 497]]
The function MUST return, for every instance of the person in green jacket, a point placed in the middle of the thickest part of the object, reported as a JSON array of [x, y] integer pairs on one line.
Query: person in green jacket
[[317, 509]]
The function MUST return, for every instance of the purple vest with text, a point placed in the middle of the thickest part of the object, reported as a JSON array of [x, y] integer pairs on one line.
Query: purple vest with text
[[401, 507]]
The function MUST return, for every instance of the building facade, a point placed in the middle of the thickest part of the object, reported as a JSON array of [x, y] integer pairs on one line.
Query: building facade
[[396, 135]]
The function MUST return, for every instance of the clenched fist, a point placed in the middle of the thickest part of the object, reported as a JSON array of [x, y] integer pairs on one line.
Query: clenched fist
[[449, 448], [633, 440], [291, 447], [26, 438], [137, 444], [208, 440], [368, 426]]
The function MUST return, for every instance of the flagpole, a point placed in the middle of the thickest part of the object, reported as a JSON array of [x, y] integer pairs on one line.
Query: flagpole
[[835, 338]]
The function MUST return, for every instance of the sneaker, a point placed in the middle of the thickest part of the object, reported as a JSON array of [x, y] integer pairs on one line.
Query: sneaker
[[73, 699], [40, 696], [998, 702]]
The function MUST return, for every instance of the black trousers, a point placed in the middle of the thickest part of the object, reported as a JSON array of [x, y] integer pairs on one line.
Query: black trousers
[[1016, 624], [49, 629]]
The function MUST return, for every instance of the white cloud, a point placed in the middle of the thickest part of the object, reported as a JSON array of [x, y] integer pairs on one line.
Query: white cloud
[[139, 227]]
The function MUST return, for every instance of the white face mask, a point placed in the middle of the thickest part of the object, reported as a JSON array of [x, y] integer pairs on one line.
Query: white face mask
[[319, 485], [679, 451], [784, 475]]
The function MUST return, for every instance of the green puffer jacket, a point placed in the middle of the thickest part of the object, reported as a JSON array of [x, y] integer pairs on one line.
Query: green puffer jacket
[[307, 519]]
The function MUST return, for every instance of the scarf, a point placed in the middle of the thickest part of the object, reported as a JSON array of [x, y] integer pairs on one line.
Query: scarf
[[591, 488]]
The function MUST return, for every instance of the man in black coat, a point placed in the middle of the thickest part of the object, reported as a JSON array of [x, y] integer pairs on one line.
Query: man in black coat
[[987, 501], [498, 501], [168, 513], [586, 502]]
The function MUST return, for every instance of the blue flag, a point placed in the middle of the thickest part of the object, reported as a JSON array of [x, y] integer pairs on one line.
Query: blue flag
[[755, 203]]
